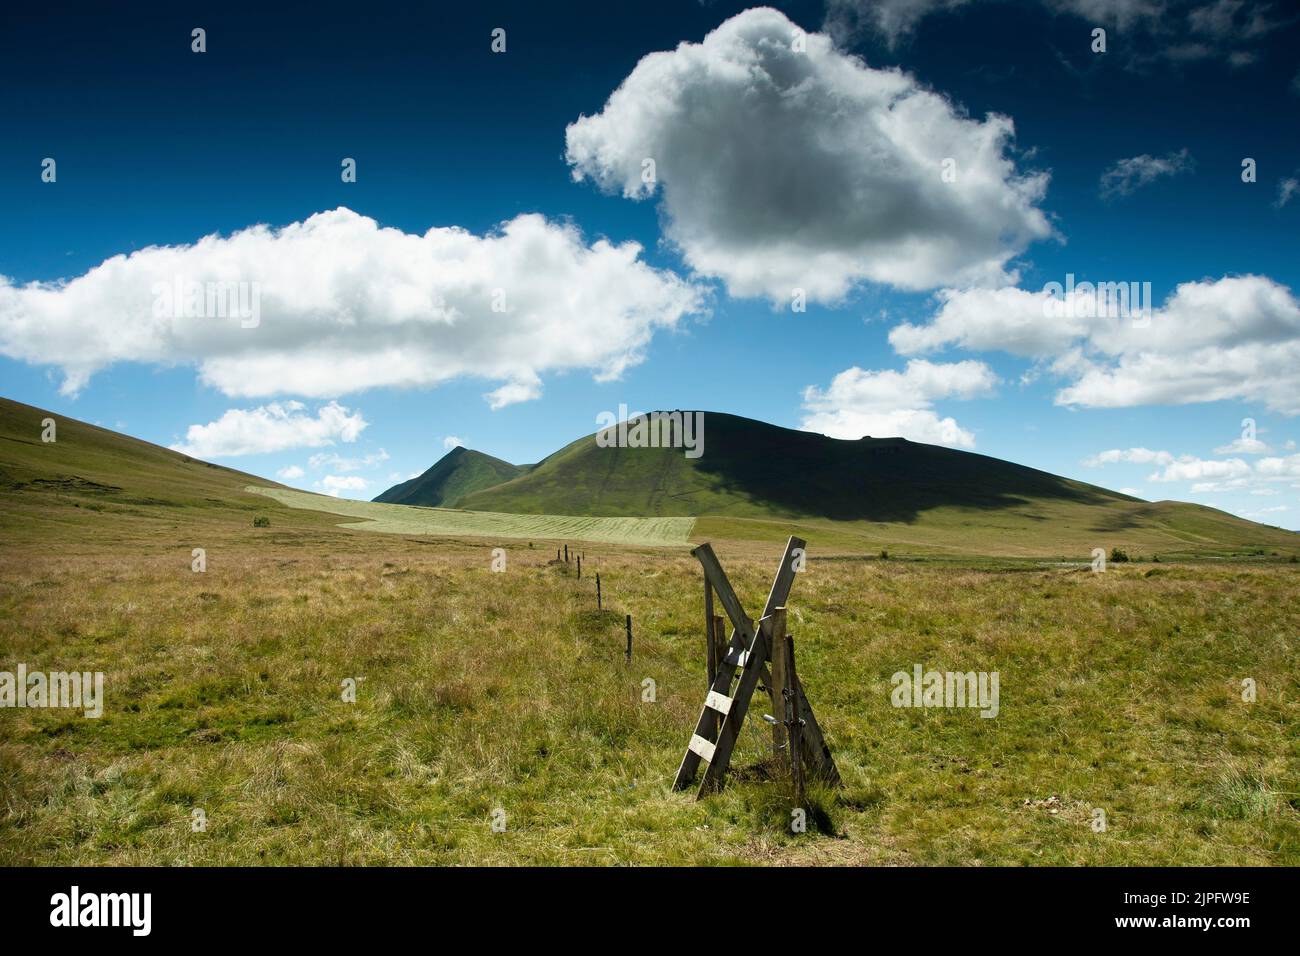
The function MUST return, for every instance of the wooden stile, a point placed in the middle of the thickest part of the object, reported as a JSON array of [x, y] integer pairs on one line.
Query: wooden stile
[[748, 652]]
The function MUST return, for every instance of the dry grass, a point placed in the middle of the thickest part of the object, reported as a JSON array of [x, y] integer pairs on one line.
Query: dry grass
[[481, 691]]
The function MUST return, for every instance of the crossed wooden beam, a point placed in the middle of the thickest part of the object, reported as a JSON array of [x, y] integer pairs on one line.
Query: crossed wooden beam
[[748, 651]]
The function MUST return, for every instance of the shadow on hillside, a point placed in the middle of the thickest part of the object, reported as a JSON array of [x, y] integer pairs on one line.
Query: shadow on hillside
[[884, 479]]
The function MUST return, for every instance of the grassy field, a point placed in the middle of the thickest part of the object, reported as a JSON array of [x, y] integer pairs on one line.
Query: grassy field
[[480, 691], [405, 519]]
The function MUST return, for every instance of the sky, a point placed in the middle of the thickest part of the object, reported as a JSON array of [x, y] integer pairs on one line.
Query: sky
[[488, 226]]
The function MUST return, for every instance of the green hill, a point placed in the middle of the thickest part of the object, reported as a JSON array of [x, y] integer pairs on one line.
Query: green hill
[[751, 469], [456, 474], [753, 480], [89, 476]]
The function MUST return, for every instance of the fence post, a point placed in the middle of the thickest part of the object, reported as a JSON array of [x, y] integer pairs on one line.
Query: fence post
[[597, 590], [629, 638], [710, 644], [579, 567], [794, 720], [780, 704]]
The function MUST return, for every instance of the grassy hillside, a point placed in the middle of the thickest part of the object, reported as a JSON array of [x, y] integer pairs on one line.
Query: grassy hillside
[[91, 480], [456, 474], [762, 482]]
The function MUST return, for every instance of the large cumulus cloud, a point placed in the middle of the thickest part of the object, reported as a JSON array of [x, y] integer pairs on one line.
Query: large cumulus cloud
[[346, 305], [786, 164]]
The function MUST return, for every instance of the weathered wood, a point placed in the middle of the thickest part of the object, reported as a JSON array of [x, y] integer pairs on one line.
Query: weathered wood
[[790, 693], [715, 777], [710, 644], [629, 638], [776, 681], [742, 637], [816, 754], [579, 567], [719, 640], [701, 747], [597, 590], [719, 702]]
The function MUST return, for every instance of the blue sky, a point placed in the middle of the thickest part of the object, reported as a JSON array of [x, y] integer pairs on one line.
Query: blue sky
[[825, 174]]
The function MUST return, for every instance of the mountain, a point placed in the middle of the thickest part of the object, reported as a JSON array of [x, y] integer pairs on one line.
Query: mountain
[[458, 473], [753, 482], [752, 469], [759, 481]]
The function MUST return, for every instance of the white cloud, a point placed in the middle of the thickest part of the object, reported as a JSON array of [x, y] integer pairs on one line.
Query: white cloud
[[891, 19], [291, 473], [1243, 446], [1286, 189], [1265, 511], [346, 305], [1133, 492], [889, 403], [339, 463], [270, 428], [1127, 176], [523, 390], [335, 485], [1233, 338], [1288, 467], [783, 169], [1189, 468], [1134, 456], [1179, 30], [450, 442]]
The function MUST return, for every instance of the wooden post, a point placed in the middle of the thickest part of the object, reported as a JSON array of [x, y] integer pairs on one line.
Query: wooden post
[[776, 681], [579, 567], [597, 590], [566, 554], [719, 639], [710, 645], [557, 554], [794, 719], [629, 638]]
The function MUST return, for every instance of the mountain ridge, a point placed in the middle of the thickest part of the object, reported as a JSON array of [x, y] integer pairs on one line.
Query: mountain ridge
[[459, 472]]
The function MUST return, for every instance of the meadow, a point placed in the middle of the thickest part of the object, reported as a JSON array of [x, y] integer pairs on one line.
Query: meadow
[[482, 693], [407, 519], [483, 696]]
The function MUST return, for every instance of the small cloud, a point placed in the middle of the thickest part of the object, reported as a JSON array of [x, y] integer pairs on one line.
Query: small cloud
[[1132, 456], [339, 463], [450, 442], [335, 485], [270, 428], [292, 473], [514, 392], [1244, 446], [1286, 190], [1127, 176]]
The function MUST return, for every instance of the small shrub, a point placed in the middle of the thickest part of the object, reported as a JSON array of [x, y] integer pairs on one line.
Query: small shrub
[[1155, 558], [1118, 556], [884, 555], [261, 521]]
